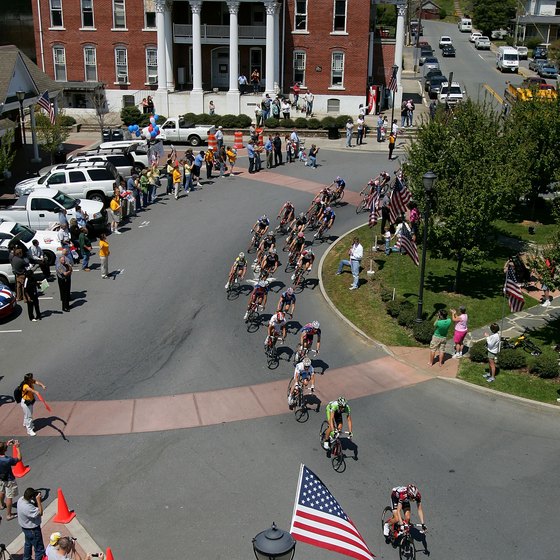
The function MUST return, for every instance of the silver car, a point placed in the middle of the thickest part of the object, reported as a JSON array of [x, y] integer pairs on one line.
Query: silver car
[[431, 63]]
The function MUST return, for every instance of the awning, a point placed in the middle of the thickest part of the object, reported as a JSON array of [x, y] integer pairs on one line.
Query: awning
[[81, 86], [538, 20]]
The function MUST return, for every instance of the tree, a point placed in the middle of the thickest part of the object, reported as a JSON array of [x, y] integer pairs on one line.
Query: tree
[[489, 15], [51, 136], [98, 101], [7, 152], [478, 180]]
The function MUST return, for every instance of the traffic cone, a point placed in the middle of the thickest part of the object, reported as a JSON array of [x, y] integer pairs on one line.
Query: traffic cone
[[63, 515], [19, 469], [109, 554]]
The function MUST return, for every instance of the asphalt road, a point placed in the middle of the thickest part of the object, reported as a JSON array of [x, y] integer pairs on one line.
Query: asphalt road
[[485, 466]]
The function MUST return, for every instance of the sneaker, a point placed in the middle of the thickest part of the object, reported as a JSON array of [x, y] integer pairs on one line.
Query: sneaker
[[491, 379], [34, 320], [353, 288], [386, 529], [117, 232], [226, 286], [293, 277], [246, 316], [455, 356], [31, 433], [326, 445], [338, 273], [486, 375]]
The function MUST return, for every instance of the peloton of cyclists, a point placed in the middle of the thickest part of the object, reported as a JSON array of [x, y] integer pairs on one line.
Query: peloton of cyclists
[[303, 376], [258, 297], [335, 410], [401, 496], [238, 269], [287, 302], [276, 328]]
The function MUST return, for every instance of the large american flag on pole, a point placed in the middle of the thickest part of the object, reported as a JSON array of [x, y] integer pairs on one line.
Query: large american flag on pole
[[407, 243], [45, 103], [393, 81], [319, 520], [513, 291], [374, 209], [400, 197]]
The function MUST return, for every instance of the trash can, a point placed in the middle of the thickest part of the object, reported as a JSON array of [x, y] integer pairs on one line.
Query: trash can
[[106, 134], [59, 156], [333, 133], [117, 134]]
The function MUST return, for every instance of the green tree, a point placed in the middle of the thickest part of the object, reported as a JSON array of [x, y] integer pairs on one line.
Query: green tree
[[7, 152], [489, 15], [478, 180], [51, 136]]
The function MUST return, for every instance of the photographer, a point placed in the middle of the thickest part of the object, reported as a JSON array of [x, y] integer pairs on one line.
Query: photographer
[[30, 512], [64, 548], [8, 484]]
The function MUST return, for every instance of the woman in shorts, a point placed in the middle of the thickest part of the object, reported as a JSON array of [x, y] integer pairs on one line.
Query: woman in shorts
[[461, 330]]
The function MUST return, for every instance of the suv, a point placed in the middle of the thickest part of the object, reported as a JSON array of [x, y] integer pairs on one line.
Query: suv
[[92, 180], [123, 162], [445, 40], [540, 52], [450, 95], [482, 42], [425, 52], [137, 149]]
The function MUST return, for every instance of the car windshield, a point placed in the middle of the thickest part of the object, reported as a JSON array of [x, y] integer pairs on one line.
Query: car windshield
[[44, 178], [66, 201], [510, 57], [438, 80], [23, 232], [455, 90], [431, 61]]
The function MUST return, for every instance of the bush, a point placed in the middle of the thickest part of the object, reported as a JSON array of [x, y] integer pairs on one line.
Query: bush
[[287, 123], [145, 120], [189, 117], [393, 308], [545, 366], [442, 13], [314, 124], [229, 121], [423, 331], [407, 316], [244, 121], [328, 122], [478, 351], [511, 358], [271, 122], [532, 43], [386, 295], [300, 122], [341, 120], [66, 120], [131, 115]]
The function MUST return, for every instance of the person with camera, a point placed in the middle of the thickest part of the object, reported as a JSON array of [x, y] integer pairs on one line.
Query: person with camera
[[30, 513], [8, 484], [64, 548]]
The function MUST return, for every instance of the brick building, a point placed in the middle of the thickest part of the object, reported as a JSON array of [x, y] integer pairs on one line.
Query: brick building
[[186, 53]]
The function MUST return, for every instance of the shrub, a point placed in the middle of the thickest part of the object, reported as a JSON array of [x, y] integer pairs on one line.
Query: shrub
[[131, 115], [314, 124], [532, 43], [511, 358], [478, 351], [407, 316], [341, 120], [229, 121], [393, 308], [300, 122], [204, 118], [189, 117], [442, 13], [244, 121], [386, 295], [145, 120], [66, 120], [423, 331], [328, 122], [271, 122], [545, 366]]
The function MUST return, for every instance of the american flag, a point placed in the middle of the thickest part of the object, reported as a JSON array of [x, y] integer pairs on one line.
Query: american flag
[[393, 81], [400, 197], [319, 520], [374, 210], [513, 291], [407, 243], [45, 103]]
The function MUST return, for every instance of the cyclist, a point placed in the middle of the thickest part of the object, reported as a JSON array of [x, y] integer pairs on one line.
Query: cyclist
[[276, 328], [238, 268], [287, 302], [327, 218], [307, 334], [335, 410], [401, 496], [270, 262], [340, 186], [268, 242], [296, 247], [261, 226], [303, 375], [305, 261], [258, 297], [299, 223], [286, 213]]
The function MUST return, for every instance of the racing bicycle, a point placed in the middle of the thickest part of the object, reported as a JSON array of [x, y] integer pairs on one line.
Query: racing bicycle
[[301, 353], [364, 204], [255, 241], [271, 351], [522, 341], [400, 538], [335, 451], [299, 405], [300, 278]]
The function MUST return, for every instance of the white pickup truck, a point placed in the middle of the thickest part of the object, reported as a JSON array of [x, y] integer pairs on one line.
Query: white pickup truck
[[39, 210], [179, 131]]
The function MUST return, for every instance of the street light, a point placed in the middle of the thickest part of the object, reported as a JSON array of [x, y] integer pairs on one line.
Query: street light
[[20, 97], [429, 180], [274, 544]]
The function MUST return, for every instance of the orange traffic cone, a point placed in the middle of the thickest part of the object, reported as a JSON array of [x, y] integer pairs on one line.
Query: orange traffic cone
[[63, 515], [19, 469], [109, 554]]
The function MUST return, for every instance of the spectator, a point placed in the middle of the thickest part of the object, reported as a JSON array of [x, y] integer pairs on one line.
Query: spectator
[[379, 128], [36, 256], [63, 216], [493, 346], [387, 238], [28, 393], [404, 113], [8, 484], [414, 218], [64, 548], [211, 108], [104, 255], [258, 116], [187, 166], [355, 253], [360, 129], [392, 139], [31, 296], [312, 156], [294, 138], [395, 128], [19, 265], [144, 187], [309, 98], [242, 81], [176, 180], [362, 111], [64, 235], [209, 161], [255, 80], [410, 112], [285, 109], [268, 147], [265, 107], [196, 166], [85, 249], [144, 105], [64, 277], [251, 155], [150, 105], [296, 89], [349, 132], [289, 149], [115, 211], [439, 338], [461, 329], [169, 174], [30, 511], [153, 180], [433, 109], [221, 161], [231, 154], [81, 217], [277, 146], [220, 137]]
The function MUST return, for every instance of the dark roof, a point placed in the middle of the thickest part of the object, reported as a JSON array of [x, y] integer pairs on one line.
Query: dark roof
[[543, 20]]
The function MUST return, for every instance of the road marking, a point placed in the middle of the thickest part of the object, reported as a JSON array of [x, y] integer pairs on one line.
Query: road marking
[[144, 224], [45, 297], [481, 57], [14, 331], [499, 98]]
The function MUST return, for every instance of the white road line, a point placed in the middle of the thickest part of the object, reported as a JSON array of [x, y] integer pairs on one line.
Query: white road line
[[481, 56], [14, 331], [45, 297]]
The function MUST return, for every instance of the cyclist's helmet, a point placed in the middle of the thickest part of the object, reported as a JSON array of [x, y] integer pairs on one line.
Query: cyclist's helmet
[[342, 402], [272, 251], [241, 255], [280, 316], [263, 219], [412, 491], [315, 324], [288, 203], [306, 362], [300, 234], [385, 174], [270, 235], [328, 209], [309, 251], [290, 291], [338, 179]]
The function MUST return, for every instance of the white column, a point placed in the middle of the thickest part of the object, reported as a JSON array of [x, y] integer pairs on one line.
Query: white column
[[277, 46], [196, 8], [36, 158], [161, 64], [232, 97], [399, 44], [169, 46], [270, 6]]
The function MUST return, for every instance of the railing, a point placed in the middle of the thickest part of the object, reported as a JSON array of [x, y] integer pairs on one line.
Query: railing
[[219, 31]]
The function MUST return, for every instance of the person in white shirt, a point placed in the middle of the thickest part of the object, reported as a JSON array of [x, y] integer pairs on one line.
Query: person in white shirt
[[356, 254], [242, 80], [493, 345], [309, 97]]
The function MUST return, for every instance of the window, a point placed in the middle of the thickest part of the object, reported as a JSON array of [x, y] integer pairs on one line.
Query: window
[[121, 65], [256, 60], [337, 69], [119, 15], [300, 22], [151, 65], [557, 12], [90, 64], [87, 13], [100, 175], [77, 177], [333, 105], [149, 14], [299, 67], [59, 56], [339, 19], [57, 179], [56, 13]]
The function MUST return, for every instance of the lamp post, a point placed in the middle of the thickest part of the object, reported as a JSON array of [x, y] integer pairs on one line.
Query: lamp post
[[274, 544], [394, 71], [429, 180], [20, 97]]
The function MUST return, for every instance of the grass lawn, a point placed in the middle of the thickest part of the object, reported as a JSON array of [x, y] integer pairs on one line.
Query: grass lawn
[[481, 289]]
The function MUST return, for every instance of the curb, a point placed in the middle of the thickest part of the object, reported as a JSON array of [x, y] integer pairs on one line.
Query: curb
[[495, 393]]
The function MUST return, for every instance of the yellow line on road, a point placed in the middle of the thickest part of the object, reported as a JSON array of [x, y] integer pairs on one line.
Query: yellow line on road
[[498, 97]]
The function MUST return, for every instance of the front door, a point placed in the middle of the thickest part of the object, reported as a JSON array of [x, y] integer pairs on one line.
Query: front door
[[220, 68]]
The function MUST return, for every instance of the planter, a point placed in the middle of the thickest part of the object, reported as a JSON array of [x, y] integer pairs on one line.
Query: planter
[[333, 133]]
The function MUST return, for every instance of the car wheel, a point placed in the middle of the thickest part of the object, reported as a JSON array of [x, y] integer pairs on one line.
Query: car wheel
[[50, 257], [137, 168], [195, 141], [97, 196], [4, 280]]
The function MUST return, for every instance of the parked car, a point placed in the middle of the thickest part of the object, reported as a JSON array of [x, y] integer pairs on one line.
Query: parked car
[[448, 50], [482, 43], [535, 81], [522, 51], [431, 62], [429, 80], [435, 86], [123, 162], [432, 72], [178, 130], [548, 70], [451, 94], [535, 64], [540, 52], [13, 231], [474, 36], [425, 52], [424, 44], [445, 40], [7, 301]]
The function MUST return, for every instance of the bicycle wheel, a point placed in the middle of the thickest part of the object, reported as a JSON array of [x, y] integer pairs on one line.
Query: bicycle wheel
[[531, 347], [272, 358], [301, 415], [361, 206], [337, 457], [386, 516], [290, 386], [324, 428], [407, 551]]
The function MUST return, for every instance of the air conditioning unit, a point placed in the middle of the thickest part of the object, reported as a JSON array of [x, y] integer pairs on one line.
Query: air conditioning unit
[[122, 78], [152, 79]]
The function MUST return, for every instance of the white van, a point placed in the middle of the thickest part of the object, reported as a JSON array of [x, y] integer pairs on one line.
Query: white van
[[465, 25], [507, 60]]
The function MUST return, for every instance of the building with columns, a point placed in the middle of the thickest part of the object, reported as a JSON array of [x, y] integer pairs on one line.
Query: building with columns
[[185, 53]]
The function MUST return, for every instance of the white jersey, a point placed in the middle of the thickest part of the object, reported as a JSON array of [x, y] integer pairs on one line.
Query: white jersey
[[301, 372], [278, 325]]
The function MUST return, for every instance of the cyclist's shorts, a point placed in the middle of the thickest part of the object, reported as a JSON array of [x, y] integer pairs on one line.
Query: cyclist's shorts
[[337, 417], [395, 502]]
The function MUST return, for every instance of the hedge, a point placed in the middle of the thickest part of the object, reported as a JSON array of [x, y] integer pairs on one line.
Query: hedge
[[423, 331], [478, 351], [545, 366], [511, 358]]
